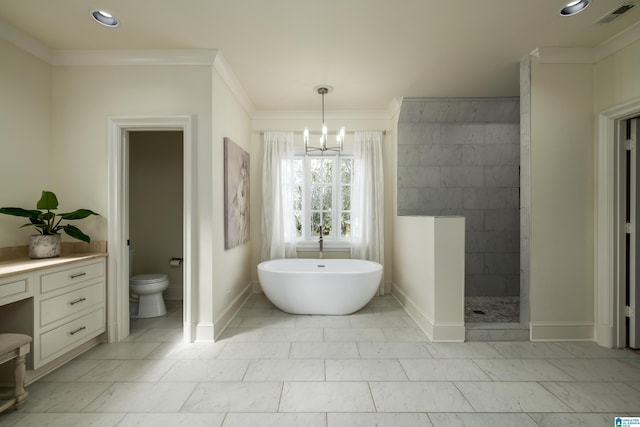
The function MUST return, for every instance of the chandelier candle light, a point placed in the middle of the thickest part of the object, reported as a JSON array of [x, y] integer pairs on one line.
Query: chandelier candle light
[[323, 90]]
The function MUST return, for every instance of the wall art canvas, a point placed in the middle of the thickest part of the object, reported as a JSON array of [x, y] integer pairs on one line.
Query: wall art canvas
[[236, 195]]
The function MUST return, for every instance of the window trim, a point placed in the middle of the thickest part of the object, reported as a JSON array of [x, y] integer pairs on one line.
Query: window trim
[[329, 245]]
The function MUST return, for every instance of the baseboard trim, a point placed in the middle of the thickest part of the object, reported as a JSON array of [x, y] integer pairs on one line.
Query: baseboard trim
[[449, 332], [211, 331], [421, 318], [203, 332], [561, 331], [221, 323], [436, 332], [605, 335]]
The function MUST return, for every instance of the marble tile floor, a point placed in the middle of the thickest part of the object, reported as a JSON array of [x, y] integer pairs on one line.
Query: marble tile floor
[[372, 368]]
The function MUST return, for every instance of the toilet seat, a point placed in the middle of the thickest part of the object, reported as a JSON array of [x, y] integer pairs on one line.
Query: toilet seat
[[148, 279]]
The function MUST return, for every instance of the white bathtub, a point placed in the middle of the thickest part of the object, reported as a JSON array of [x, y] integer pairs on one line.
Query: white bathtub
[[319, 286]]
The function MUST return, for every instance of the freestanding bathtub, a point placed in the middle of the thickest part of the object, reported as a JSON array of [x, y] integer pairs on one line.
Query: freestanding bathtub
[[319, 286]]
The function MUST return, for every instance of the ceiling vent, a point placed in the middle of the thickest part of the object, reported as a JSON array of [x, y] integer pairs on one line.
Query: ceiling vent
[[623, 8]]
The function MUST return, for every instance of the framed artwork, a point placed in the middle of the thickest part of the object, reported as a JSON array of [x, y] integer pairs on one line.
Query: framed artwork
[[236, 195]]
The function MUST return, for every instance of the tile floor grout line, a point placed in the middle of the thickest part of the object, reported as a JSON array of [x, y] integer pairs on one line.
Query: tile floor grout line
[[280, 398], [540, 383], [372, 398]]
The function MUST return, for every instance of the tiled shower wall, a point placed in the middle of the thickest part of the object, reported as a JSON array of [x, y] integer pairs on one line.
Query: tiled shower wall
[[461, 156]]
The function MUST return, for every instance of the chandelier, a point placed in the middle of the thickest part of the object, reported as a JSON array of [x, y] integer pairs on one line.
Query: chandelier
[[323, 90]]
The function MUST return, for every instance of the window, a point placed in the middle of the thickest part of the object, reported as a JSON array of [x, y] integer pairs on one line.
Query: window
[[322, 197]]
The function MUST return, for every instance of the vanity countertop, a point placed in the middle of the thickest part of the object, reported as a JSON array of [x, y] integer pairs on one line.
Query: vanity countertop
[[25, 265]]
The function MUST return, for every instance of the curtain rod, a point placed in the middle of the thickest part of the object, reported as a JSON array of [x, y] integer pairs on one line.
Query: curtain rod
[[384, 132]]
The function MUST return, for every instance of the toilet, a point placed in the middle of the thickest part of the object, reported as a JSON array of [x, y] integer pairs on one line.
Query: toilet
[[145, 293]]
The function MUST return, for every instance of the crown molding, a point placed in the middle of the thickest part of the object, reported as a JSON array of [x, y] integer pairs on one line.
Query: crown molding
[[568, 55], [160, 57], [81, 58], [229, 77], [394, 107], [565, 55], [156, 57], [422, 99], [618, 42], [151, 57], [25, 42], [331, 115]]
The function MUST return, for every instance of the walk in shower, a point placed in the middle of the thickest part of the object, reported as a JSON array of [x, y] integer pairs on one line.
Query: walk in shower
[[461, 156]]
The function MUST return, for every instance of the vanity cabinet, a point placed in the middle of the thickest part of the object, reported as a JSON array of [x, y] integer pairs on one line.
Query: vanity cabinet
[[69, 308], [60, 302], [15, 288]]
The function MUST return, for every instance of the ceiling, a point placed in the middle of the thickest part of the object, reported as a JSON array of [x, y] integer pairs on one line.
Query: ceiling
[[370, 51]]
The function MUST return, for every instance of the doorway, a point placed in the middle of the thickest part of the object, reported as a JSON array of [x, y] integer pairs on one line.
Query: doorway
[[155, 214], [611, 230], [629, 208], [120, 129]]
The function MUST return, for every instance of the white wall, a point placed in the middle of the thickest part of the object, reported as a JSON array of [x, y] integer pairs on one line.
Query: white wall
[[294, 123], [156, 205], [25, 124], [231, 272], [562, 201], [413, 238], [428, 278]]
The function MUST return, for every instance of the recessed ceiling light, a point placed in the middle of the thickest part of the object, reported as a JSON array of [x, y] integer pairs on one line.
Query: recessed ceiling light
[[574, 7], [105, 18]]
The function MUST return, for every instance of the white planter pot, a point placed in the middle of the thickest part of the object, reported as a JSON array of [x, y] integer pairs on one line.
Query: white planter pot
[[44, 246]]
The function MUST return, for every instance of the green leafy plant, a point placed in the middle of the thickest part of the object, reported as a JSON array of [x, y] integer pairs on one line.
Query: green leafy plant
[[48, 222]]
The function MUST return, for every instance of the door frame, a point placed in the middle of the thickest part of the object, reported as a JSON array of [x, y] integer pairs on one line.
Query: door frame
[[118, 260], [609, 289], [631, 252]]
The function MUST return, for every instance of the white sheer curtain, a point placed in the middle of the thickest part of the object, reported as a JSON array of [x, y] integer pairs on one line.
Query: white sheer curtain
[[278, 226], [367, 199]]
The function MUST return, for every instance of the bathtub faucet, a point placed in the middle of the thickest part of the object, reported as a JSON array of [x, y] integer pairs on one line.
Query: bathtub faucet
[[321, 243]]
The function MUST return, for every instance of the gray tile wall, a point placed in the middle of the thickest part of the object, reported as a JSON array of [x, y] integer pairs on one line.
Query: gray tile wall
[[461, 156]]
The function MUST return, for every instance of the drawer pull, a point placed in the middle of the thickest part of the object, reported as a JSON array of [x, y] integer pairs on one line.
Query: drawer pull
[[75, 276], [75, 301], [77, 330]]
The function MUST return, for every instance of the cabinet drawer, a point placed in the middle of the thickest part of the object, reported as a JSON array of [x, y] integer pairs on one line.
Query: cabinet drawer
[[76, 274], [70, 303], [14, 289], [62, 338]]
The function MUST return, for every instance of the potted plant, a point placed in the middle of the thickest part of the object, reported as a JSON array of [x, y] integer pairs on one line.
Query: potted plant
[[46, 244]]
